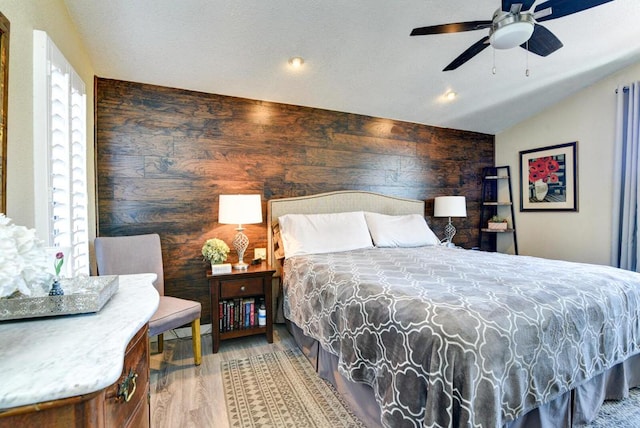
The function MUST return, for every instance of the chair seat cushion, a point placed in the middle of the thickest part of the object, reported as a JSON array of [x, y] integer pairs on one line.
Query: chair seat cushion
[[173, 313]]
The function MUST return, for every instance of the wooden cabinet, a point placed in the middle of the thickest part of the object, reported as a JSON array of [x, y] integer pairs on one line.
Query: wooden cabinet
[[253, 282], [123, 404], [127, 401]]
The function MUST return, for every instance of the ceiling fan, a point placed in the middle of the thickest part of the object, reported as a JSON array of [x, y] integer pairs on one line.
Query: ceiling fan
[[514, 24]]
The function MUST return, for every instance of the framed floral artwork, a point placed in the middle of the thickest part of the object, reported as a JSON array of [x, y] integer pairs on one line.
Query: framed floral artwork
[[548, 178]]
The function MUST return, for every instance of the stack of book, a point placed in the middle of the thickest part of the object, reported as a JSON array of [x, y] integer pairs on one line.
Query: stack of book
[[239, 314]]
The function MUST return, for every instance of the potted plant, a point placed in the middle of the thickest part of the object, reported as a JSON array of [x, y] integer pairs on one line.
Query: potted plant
[[216, 251], [497, 223]]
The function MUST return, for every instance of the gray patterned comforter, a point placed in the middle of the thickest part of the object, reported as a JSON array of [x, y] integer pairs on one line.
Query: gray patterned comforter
[[459, 338]]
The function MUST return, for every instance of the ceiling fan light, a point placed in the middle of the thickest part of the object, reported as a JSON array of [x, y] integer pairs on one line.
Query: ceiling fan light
[[511, 35], [510, 29]]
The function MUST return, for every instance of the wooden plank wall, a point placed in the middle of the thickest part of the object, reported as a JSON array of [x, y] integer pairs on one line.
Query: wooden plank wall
[[164, 155]]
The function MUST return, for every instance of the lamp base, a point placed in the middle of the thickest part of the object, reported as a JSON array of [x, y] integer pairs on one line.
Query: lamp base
[[240, 243], [450, 232], [241, 266]]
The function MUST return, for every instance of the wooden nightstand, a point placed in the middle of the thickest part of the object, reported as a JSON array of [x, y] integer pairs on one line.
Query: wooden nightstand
[[231, 295]]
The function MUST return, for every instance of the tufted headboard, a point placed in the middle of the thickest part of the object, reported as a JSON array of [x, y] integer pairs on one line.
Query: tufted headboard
[[335, 202]]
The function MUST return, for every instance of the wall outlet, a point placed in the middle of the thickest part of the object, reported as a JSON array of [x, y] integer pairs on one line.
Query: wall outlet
[[260, 253]]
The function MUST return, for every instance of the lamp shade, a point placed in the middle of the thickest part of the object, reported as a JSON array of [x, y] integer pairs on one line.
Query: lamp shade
[[450, 206], [239, 209]]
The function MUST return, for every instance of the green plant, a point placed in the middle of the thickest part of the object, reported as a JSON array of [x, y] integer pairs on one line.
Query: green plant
[[215, 250], [497, 219]]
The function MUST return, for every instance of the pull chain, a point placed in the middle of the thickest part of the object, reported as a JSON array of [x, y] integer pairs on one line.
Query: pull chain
[[526, 73], [493, 70]]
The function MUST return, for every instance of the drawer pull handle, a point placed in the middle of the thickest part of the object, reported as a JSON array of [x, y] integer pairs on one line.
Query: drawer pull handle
[[242, 288], [128, 387]]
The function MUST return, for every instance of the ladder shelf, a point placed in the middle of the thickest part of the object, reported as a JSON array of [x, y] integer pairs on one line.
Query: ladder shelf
[[492, 205]]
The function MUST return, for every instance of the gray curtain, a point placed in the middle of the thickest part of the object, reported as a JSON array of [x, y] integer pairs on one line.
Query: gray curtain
[[626, 183]]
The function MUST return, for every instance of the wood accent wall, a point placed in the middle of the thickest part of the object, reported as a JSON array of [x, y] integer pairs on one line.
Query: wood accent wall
[[164, 155]]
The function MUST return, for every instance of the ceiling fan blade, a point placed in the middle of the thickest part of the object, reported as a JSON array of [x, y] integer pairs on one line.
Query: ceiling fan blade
[[465, 56], [451, 28], [542, 42], [508, 4], [553, 9]]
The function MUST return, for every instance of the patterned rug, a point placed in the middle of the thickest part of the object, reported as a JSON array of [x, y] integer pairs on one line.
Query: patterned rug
[[619, 414], [281, 389]]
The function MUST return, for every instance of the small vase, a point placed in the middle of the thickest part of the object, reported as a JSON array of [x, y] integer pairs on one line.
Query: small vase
[[56, 289], [541, 188]]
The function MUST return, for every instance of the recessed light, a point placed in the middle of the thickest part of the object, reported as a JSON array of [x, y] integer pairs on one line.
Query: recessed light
[[450, 95], [296, 61]]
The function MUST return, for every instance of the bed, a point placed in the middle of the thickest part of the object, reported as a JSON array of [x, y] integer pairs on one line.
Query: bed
[[417, 334]]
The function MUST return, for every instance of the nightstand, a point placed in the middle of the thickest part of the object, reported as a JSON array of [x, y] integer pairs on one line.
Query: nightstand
[[235, 297]]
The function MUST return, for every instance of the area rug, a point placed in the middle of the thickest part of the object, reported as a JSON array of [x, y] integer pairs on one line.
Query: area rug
[[619, 414], [281, 389]]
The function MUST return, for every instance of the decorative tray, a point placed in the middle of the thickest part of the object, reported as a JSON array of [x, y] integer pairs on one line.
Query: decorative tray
[[81, 295]]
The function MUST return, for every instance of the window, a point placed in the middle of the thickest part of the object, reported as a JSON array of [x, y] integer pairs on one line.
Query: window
[[60, 159]]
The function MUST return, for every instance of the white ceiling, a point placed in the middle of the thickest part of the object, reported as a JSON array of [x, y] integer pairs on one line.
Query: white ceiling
[[358, 55]]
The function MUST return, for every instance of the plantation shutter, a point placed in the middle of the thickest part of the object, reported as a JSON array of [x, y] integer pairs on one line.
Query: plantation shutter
[[65, 162]]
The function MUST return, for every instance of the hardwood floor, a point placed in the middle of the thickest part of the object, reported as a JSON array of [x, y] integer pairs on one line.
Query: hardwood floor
[[186, 396]]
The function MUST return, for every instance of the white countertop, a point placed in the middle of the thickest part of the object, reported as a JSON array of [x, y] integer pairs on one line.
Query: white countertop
[[44, 359]]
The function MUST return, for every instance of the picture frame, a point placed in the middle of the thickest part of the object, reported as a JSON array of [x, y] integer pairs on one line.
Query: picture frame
[[548, 178]]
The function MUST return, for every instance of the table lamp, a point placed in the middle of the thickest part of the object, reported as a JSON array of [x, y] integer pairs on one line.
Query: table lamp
[[449, 206], [240, 209]]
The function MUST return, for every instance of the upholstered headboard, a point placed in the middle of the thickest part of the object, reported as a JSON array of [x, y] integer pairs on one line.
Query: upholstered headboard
[[336, 202]]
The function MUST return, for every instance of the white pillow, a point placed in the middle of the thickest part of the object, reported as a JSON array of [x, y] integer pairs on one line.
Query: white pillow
[[323, 233], [400, 230]]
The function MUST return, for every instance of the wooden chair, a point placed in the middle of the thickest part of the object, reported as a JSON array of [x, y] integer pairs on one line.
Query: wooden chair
[[124, 255]]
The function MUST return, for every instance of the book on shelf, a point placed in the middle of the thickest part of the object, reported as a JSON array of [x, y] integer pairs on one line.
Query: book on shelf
[[238, 314]]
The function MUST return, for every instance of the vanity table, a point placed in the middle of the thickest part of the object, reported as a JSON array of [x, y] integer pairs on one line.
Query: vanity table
[[81, 370]]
